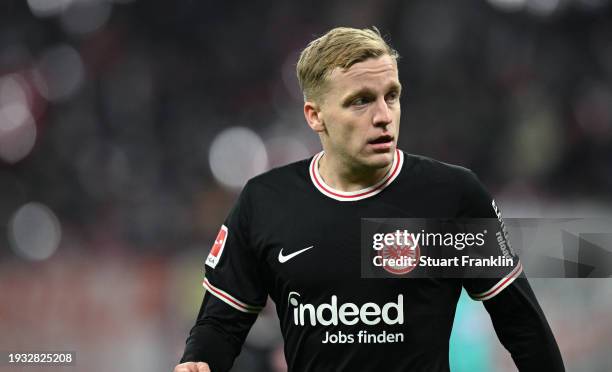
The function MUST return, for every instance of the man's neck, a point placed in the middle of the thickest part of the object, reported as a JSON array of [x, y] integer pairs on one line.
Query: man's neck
[[343, 177]]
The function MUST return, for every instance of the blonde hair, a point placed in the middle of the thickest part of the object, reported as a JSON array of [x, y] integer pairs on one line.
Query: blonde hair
[[340, 47]]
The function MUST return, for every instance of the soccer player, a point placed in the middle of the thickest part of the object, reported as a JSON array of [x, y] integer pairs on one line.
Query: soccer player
[[294, 234]]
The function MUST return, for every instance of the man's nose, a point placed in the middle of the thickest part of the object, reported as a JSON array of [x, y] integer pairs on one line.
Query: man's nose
[[382, 115]]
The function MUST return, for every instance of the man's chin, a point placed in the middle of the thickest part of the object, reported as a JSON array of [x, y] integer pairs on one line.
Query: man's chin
[[381, 159]]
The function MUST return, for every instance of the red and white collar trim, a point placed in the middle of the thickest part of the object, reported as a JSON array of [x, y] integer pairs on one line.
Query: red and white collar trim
[[317, 180]]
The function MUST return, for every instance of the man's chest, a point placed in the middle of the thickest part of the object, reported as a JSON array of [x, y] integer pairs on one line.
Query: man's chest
[[319, 250]]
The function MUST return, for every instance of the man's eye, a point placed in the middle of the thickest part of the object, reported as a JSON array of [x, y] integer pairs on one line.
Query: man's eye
[[359, 101], [393, 96]]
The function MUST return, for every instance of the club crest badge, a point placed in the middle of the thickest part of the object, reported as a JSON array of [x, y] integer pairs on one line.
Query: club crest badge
[[400, 259]]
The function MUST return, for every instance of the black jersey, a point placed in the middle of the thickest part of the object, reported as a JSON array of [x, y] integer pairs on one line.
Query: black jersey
[[296, 239]]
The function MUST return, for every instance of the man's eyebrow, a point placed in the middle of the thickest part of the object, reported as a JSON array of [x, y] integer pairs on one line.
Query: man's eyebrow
[[395, 86], [359, 92], [366, 90]]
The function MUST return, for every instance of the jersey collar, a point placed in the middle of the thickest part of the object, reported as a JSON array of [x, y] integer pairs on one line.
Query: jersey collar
[[317, 180]]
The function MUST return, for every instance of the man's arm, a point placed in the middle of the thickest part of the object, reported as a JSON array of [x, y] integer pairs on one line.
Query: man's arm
[[235, 293], [522, 328], [517, 317], [218, 335]]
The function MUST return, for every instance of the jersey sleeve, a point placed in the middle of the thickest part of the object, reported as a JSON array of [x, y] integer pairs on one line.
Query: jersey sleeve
[[234, 293], [218, 334], [478, 204], [232, 272], [521, 326]]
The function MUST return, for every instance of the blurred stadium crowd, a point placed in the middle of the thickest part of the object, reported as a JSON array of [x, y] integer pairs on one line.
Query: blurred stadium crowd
[[127, 127]]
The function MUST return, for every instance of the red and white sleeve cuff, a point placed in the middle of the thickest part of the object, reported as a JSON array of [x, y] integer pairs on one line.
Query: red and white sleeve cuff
[[230, 300], [499, 286]]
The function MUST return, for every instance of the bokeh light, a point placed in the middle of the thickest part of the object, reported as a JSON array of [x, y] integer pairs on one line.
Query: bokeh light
[[17, 127], [48, 8], [236, 155], [60, 73], [34, 232], [13, 103], [84, 17]]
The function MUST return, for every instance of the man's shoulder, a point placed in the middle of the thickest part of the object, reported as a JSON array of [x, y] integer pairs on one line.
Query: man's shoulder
[[289, 175], [436, 170]]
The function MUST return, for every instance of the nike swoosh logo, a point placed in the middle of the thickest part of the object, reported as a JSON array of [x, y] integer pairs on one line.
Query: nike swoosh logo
[[283, 259]]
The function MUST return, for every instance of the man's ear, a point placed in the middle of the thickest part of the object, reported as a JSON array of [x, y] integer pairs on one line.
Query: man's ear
[[312, 113]]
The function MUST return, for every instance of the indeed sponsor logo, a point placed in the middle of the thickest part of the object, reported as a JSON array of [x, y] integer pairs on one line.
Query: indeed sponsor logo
[[347, 313]]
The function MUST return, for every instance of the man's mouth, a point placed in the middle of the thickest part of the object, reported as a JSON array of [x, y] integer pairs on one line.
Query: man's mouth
[[380, 140], [381, 143]]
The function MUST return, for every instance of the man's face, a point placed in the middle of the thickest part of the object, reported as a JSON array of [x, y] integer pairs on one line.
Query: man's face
[[361, 112]]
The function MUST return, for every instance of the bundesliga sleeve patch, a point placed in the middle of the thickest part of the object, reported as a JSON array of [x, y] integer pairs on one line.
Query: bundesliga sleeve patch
[[217, 249]]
